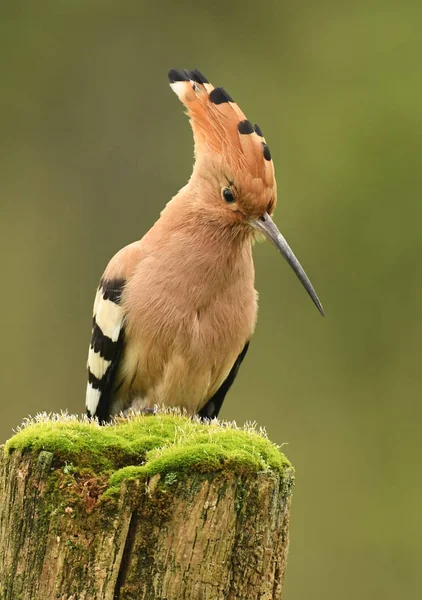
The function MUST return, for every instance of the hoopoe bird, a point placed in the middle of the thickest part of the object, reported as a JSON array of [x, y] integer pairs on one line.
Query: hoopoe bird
[[175, 311]]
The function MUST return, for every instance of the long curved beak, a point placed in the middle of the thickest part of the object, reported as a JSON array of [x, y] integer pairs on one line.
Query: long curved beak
[[266, 225]]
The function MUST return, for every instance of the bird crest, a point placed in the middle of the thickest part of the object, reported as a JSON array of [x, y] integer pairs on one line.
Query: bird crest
[[220, 127]]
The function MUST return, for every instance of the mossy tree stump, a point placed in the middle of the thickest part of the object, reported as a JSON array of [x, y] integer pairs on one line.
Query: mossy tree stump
[[158, 507]]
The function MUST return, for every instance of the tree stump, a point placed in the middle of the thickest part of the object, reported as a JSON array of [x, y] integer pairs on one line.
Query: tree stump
[[149, 507]]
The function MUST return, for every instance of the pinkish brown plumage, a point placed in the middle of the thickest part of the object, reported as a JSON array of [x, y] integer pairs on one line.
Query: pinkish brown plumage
[[175, 311]]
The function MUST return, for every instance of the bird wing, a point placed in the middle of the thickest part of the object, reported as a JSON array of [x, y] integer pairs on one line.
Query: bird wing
[[106, 347], [213, 406]]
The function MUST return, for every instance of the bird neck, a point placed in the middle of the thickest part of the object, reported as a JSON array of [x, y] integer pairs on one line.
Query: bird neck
[[186, 215], [209, 249]]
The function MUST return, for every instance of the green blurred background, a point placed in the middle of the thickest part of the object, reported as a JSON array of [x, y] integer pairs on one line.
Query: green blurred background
[[93, 144]]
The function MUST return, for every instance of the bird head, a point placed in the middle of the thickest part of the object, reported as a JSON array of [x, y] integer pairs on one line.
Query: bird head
[[233, 172]]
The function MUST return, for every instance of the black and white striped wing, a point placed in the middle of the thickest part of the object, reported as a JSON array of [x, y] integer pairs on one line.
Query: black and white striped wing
[[105, 349]]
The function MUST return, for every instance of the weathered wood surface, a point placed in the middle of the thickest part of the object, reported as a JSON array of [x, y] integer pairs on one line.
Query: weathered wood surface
[[188, 535]]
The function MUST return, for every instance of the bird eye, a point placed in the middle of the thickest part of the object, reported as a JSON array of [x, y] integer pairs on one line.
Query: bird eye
[[227, 195]]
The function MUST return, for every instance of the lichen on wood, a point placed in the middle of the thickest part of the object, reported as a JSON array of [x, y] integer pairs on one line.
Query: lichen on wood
[[148, 507]]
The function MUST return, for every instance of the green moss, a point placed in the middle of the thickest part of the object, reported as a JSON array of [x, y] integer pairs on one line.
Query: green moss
[[121, 475], [170, 478], [143, 446]]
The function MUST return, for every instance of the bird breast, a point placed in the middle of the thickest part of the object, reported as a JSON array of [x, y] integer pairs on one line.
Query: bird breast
[[188, 317]]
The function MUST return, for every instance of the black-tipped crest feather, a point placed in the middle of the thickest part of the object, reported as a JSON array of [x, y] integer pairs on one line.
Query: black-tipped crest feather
[[219, 95]]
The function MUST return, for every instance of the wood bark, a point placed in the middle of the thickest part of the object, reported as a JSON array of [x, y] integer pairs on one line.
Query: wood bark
[[193, 536]]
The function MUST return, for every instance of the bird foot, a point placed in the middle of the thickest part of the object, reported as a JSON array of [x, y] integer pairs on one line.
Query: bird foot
[[133, 412]]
